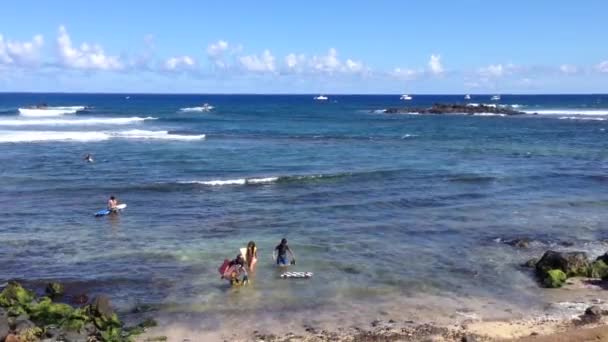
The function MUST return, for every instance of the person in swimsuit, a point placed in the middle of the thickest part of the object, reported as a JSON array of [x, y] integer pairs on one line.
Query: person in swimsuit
[[238, 269], [252, 255], [282, 249], [112, 203]]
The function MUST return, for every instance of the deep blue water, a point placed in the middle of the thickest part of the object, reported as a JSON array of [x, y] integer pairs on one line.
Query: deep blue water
[[376, 205]]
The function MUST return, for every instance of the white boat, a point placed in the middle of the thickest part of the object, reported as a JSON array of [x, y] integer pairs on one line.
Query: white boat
[[467, 97], [405, 97], [495, 98], [320, 98]]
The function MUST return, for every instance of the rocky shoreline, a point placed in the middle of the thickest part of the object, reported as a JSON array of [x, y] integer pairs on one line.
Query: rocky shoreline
[[26, 317], [442, 108]]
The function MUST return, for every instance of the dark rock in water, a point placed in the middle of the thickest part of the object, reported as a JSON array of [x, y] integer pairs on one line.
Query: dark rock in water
[[593, 314], [603, 258], [594, 311], [530, 263], [571, 263], [442, 108], [519, 243], [54, 290], [101, 306]]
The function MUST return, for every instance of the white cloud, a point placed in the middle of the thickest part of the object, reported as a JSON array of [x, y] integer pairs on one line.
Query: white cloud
[[216, 53], [602, 67], [405, 74], [179, 63], [91, 57], [435, 65], [568, 69], [264, 63], [295, 62], [494, 70], [328, 63], [20, 53], [353, 66]]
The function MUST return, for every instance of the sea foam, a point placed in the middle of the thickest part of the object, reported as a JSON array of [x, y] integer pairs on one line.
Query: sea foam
[[73, 122], [50, 111], [569, 112], [44, 136], [196, 109]]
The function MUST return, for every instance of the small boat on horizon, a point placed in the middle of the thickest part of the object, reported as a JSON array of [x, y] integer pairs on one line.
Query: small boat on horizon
[[405, 97], [495, 98], [467, 97], [320, 98]]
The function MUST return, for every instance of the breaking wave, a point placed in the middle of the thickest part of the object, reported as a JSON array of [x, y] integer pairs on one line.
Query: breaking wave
[[73, 122], [50, 111], [569, 112], [581, 118], [44, 136]]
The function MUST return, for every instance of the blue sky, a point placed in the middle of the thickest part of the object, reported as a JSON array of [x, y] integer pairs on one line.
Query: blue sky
[[305, 47]]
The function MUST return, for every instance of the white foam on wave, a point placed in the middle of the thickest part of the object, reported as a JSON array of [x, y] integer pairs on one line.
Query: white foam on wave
[[582, 118], [569, 112], [489, 114], [238, 181], [45, 136], [197, 109], [41, 136], [165, 135], [50, 111], [73, 122]]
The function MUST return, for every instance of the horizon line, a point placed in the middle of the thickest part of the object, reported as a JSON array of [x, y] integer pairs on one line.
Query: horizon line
[[296, 94]]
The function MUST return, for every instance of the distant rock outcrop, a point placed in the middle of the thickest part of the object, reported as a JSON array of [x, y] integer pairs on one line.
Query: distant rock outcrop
[[441, 108]]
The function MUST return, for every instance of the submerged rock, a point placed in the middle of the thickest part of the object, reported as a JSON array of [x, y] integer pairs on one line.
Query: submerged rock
[[554, 278], [573, 264], [519, 243]]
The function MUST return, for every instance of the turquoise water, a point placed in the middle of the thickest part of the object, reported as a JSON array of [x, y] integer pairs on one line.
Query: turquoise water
[[377, 206]]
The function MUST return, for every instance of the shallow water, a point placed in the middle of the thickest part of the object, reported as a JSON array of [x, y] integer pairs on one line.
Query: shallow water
[[377, 206]]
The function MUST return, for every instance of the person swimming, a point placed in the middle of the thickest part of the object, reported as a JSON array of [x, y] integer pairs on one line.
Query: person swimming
[[252, 255], [282, 249]]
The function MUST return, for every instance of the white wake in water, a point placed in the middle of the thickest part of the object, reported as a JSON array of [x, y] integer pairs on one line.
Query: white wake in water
[[238, 181], [45, 136], [569, 112], [197, 109], [73, 122], [50, 111]]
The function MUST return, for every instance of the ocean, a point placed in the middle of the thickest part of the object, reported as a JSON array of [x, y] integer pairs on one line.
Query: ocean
[[405, 211]]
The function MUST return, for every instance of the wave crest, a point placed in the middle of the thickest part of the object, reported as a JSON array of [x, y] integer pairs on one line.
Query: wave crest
[[50, 111], [73, 122], [45, 136]]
